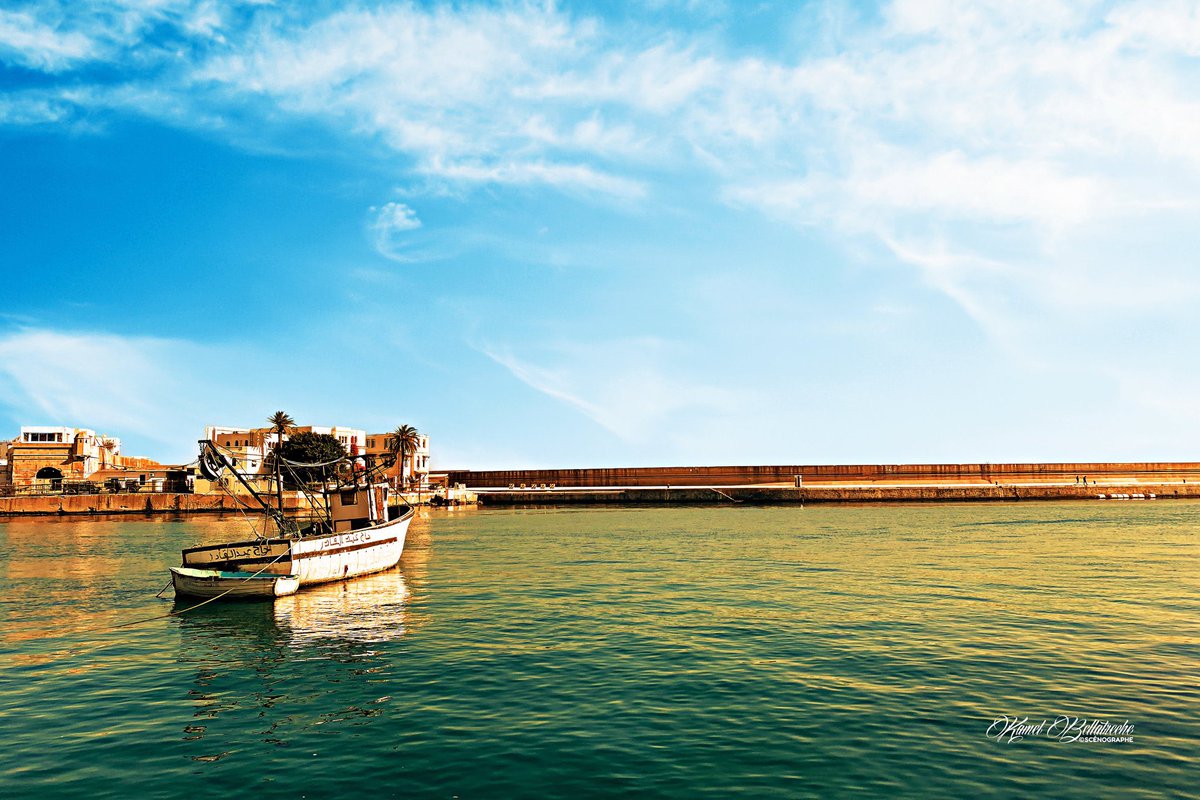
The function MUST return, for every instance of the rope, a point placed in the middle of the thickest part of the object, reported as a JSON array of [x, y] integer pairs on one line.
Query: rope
[[315, 464], [209, 600], [180, 612], [312, 501], [241, 507]]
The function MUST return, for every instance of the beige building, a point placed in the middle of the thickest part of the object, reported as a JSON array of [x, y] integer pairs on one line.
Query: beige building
[[250, 448], [44, 456], [416, 470]]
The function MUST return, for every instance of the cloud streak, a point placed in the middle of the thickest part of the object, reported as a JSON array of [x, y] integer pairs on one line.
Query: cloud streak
[[156, 390], [626, 386], [28, 42]]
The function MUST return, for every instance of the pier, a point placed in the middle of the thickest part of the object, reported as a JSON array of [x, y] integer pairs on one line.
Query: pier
[[831, 483], [774, 495]]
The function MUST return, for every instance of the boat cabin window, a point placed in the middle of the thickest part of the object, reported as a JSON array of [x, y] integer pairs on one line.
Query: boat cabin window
[[349, 498]]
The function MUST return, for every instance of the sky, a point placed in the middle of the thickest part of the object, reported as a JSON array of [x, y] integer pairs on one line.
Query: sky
[[595, 234]]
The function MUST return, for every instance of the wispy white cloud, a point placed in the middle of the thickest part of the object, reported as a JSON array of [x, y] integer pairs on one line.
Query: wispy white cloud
[[155, 390], [29, 42], [391, 227], [399, 235], [396, 217], [32, 109], [946, 186], [626, 386], [569, 177]]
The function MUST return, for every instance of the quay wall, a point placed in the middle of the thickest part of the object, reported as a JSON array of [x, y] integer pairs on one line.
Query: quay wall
[[772, 495], [1139, 472], [180, 503], [150, 503]]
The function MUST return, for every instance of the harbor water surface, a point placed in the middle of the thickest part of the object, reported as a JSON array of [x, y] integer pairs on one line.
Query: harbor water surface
[[670, 652]]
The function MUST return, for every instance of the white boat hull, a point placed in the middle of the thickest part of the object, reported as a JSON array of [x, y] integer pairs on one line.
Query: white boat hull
[[312, 560], [208, 583]]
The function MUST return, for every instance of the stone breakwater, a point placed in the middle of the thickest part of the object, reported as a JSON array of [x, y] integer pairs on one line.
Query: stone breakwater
[[1069, 473], [766, 495]]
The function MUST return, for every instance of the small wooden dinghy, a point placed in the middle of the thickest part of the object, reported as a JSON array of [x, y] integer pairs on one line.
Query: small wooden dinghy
[[215, 583]]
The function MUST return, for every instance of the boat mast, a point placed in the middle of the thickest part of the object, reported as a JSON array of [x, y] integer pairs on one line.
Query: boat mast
[[210, 447], [279, 471]]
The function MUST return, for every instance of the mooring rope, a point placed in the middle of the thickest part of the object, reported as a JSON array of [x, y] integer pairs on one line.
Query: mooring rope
[[168, 615], [209, 600]]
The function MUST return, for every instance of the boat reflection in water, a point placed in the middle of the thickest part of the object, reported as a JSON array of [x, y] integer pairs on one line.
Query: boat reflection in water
[[332, 647], [369, 609]]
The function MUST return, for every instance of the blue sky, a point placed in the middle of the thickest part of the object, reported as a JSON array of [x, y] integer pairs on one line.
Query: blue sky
[[555, 234]]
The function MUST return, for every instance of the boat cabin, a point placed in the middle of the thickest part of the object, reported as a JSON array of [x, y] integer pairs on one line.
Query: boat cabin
[[358, 507]]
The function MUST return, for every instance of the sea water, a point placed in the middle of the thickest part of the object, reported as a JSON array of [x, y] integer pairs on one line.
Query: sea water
[[871, 651]]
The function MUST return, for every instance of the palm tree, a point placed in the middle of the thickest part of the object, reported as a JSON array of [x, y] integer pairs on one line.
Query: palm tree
[[401, 442], [282, 423]]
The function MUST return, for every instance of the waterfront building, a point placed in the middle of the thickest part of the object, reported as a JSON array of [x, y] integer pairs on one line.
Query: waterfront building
[[250, 448], [353, 440], [416, 468], [44, 456]]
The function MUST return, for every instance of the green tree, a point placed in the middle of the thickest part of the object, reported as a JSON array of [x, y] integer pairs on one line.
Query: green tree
[[401, 443], [282, 423], [311, 448]]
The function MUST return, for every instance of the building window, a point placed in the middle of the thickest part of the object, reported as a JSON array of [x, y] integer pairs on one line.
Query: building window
[[43, 437]]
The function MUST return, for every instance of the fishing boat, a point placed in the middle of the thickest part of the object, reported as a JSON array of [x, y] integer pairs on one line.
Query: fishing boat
[[355, 531]]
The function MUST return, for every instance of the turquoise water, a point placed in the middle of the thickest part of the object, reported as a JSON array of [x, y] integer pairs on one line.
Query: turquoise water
[[675, 652]]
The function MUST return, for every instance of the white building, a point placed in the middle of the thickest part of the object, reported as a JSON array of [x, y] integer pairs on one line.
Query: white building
[[89, 450], [60, 434], [353, 440], [48, 454], [250, 448]]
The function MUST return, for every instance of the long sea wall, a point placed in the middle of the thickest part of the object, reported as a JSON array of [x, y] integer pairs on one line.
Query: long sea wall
[[149, 503], [770, 495], [818, 474], [182, 503]]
